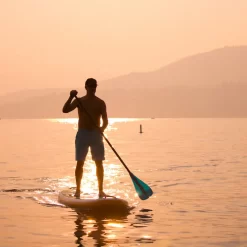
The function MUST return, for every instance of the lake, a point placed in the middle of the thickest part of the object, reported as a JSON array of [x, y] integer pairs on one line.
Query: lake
[[197, 169]]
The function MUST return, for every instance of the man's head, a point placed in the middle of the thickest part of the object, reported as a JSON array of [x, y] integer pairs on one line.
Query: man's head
[[91, 85]]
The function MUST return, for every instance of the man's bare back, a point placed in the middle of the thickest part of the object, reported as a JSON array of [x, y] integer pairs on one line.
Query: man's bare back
[[95, 107]]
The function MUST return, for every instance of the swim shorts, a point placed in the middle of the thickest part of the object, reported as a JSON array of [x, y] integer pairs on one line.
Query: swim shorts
[[89, 138]]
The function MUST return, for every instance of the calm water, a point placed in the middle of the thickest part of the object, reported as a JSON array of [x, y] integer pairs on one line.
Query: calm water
[[197, 169]]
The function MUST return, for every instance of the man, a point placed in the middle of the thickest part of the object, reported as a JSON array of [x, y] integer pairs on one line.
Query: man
[[88, 134]]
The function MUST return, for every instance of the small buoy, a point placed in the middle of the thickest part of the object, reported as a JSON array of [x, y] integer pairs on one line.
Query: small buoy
[[141, 129]]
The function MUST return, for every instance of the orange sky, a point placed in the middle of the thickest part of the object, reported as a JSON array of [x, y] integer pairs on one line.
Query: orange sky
[[58, 43]]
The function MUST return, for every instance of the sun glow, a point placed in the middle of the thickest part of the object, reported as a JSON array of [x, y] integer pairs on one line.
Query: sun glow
[[116, 225], [111, 236], [110, 127], [89, 183], [75, 120], [121, 120], [64, 120], [146, 236]]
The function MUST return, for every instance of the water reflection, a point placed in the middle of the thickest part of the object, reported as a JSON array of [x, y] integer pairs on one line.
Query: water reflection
[[111, 227], [142, 219], [100, 225]]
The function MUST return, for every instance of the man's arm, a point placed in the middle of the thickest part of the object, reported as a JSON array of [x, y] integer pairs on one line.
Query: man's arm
[[104, 117], [68, 106]]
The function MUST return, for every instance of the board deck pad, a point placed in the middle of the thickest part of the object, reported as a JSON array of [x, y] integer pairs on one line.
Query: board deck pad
[[88, 201]]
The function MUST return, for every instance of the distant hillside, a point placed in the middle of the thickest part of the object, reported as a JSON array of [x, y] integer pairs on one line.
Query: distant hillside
[[212, 84], [210, 69]]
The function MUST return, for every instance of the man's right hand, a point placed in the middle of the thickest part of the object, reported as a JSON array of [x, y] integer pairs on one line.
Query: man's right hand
[[73, 93]]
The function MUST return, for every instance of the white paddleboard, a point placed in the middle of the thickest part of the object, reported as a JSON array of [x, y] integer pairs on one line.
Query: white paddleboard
[[89, 201]]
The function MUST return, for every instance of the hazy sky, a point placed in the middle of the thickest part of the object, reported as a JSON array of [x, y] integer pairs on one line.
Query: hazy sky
[[58, 43]]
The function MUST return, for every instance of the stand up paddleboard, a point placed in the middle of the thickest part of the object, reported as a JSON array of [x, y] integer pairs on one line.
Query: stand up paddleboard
[[90, 201]]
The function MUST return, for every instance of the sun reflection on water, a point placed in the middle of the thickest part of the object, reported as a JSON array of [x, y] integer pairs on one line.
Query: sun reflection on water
[[89, 183], [112, 171], [116, 225], [111, 236], [74, 121], [63, 120]]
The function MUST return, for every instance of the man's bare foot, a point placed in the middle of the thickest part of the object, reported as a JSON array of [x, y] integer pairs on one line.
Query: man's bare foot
[[77, 194], [104, 195]]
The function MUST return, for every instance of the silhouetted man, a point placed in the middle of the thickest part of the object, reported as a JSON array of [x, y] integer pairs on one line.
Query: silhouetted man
[[88, 134]]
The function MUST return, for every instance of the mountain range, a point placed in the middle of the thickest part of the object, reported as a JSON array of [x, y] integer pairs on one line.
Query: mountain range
[[210, 84]]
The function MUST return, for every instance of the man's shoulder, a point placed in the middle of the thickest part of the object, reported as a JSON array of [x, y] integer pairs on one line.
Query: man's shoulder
[[100, 100], [83, 98]]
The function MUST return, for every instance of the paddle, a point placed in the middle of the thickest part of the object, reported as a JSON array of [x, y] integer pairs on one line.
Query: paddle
[[142, 189]]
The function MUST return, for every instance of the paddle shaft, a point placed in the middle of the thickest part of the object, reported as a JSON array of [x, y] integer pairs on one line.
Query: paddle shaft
[[113, 149]]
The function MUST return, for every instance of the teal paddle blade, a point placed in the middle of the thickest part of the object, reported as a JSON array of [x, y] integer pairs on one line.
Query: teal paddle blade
[[142, 189]]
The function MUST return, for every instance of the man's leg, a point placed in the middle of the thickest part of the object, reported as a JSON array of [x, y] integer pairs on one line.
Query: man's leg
[[100, 175], [78, 177]]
